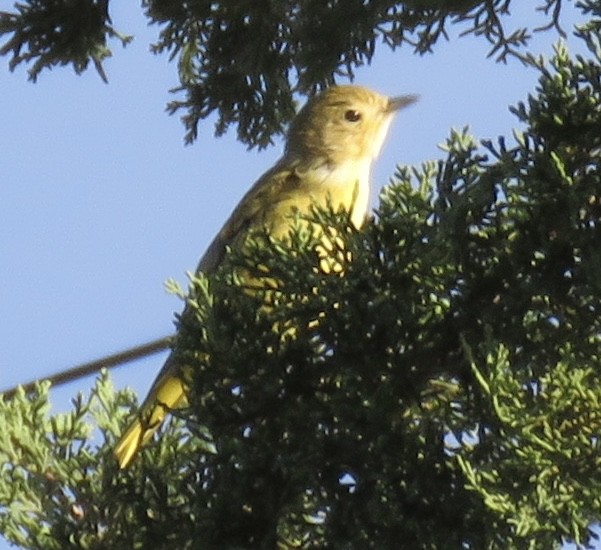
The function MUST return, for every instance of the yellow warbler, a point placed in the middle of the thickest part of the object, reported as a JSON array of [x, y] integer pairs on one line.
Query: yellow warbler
[[329, 151]]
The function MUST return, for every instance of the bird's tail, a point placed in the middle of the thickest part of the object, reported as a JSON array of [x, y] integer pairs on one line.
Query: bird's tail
[[168, 393]]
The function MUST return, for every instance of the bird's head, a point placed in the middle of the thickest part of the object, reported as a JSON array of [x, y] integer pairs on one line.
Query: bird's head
[[343, 123]]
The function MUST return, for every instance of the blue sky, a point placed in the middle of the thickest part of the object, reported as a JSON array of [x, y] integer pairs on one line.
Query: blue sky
[[101, 201]]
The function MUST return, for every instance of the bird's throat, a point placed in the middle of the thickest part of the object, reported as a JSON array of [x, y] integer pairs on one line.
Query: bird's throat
[[347, 185]]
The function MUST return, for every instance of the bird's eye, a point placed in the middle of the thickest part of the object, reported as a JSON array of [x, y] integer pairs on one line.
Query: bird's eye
[[352, 116]]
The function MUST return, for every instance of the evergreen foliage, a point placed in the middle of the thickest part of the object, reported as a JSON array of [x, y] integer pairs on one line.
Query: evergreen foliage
[[246, 60], [443, 391]]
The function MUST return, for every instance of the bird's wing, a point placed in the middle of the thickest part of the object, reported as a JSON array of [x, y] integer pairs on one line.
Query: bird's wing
[[169, 390], [274, 186]]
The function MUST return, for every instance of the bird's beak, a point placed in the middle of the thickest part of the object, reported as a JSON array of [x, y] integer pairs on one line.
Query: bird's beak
[[396, 103]]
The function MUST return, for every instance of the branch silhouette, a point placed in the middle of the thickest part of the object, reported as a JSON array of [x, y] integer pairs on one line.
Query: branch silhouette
[[85, 369]]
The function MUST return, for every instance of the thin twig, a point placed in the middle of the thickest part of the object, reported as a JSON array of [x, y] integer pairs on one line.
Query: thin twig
[[108, 362]]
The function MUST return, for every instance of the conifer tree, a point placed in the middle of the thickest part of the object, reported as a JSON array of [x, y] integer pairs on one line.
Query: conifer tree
[[442, 392]]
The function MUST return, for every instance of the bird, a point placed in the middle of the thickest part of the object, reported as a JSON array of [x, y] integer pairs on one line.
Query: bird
[[330, 147]]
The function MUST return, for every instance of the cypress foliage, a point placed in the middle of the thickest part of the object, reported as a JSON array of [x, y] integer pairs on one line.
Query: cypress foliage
[[247, 61], [443, 391]]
